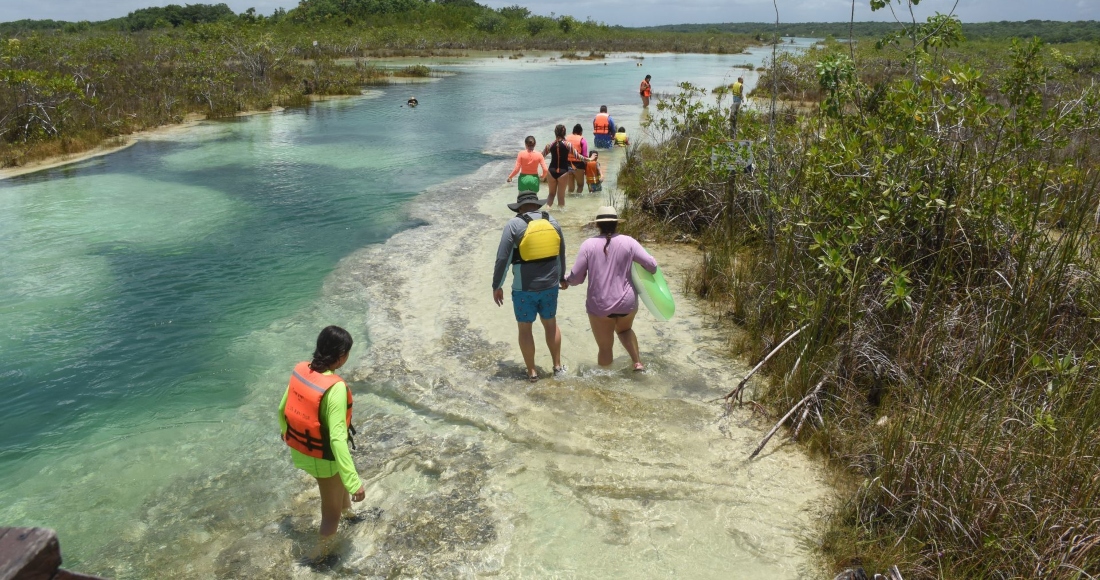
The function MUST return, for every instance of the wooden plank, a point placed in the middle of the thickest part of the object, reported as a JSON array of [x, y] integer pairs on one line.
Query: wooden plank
[[29, 554]]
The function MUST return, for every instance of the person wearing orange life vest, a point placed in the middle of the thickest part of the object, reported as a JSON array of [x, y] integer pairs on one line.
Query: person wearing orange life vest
[[579, 158], [593, 173], [603, 127], [646, 90], [315, 421]]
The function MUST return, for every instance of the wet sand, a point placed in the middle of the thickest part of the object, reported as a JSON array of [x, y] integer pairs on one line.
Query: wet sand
[[606, 473]]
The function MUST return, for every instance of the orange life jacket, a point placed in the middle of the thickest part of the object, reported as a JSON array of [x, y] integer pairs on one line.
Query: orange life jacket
[[575, 141], [601, 125], [645, 89], [592, 172], [304, 429]]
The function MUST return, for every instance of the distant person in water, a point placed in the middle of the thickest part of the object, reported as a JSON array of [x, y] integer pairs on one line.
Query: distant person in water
[[621, 140], [412, 102], [603, 127], [737, 90], [561, 167], [533, 246], [593, 174], [646, 90], [315, 421], [579, 158], [611, 300], [528, 164]]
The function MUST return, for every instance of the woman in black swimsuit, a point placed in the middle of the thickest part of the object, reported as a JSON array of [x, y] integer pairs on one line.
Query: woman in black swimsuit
[[560, 166]]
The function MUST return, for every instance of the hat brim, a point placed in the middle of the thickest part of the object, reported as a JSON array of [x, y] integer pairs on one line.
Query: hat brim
[[517, 205], [598, 220]]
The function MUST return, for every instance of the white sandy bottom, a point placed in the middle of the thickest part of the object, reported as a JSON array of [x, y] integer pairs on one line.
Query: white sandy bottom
[[471, 471]]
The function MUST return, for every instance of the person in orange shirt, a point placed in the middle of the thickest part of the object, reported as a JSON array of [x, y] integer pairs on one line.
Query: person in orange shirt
[[646, 90], [528, 163]]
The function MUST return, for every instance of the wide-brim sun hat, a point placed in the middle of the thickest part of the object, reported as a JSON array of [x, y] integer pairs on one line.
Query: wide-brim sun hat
[[525, 198], [607, 214]]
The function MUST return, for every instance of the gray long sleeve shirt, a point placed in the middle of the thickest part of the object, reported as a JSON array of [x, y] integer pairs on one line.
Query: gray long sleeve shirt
[[532, 276]]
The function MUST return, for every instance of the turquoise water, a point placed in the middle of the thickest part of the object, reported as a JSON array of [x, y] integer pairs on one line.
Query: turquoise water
[[152, 297]]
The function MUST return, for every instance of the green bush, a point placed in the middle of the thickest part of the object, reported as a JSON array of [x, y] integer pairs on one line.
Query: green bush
[[934, 234]]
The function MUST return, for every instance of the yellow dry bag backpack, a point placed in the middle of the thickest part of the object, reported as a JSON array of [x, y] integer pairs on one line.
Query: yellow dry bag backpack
[[540, 242]]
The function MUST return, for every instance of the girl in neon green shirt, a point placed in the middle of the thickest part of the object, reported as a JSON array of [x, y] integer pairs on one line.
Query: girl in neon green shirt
[[337, 479]]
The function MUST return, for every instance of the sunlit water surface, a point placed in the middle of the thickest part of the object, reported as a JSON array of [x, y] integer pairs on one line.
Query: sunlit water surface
[[153, 300]]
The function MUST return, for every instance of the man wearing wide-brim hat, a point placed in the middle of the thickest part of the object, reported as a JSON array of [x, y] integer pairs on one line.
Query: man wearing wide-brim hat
[[532, 243]]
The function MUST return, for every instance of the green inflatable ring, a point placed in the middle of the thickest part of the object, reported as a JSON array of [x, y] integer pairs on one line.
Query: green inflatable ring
[[653, 291]]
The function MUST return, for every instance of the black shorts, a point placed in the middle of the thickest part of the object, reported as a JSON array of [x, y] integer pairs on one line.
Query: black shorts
[[580, 165]]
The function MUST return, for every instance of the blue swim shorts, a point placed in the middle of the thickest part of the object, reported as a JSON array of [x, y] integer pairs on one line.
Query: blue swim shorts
[[528, 304]]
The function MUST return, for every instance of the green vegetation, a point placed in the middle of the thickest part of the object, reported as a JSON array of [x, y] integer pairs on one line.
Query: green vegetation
[[66, 87], [416, 70], [932, 226], [1050, 31]]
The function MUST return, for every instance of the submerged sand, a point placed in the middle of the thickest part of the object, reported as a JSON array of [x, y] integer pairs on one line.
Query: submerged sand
[[606, 473]]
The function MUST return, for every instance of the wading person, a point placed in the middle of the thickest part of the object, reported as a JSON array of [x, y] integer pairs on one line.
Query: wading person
[[579, 158], [646, 90], [527, 166], [621, 139], [533, 245], [603, 127], [737, 89], [315, 419], [561, 167], [611, 300], [593, 174]]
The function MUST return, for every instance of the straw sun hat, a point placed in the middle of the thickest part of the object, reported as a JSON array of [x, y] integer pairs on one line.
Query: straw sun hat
[[607, 214]]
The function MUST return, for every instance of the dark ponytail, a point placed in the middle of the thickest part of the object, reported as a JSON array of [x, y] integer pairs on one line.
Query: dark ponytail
[[333, 343], [607, 229]]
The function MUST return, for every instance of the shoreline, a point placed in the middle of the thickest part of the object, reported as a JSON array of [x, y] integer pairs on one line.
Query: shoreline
[[123, 142]]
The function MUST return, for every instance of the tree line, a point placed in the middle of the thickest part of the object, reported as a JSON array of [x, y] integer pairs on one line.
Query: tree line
[[1050, 31], [65, 87]]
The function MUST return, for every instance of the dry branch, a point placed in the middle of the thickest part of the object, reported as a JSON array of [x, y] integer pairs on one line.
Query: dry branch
[[797, 405], [736, 392]]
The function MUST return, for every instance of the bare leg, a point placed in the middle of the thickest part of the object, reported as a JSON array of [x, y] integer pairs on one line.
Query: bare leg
[[603, 330], [527, 347], [623, 327], [553, 185], [578, 181], [561, 188], [553, 340], [334, 500]]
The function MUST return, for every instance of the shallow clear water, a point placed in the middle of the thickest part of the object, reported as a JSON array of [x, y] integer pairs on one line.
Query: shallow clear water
[[152, 301]]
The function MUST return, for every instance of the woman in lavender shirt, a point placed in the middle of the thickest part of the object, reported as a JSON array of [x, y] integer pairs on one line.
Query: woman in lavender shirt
[[612, 302]]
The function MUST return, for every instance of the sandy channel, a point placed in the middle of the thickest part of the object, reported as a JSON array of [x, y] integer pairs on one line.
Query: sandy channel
[[472, 471]]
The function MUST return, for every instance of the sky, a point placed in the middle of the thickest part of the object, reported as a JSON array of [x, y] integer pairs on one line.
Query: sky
[[627, 12]]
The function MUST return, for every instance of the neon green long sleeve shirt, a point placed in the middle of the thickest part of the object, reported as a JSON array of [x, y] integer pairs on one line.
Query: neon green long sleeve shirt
[[334, 408]]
